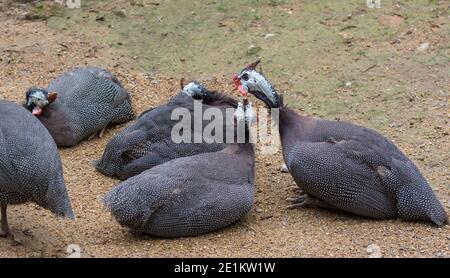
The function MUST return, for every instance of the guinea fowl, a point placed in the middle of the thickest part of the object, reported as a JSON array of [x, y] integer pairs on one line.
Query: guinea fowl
[[346, 167], [190, 195], [80, 104], [30, 166], [148, 141]]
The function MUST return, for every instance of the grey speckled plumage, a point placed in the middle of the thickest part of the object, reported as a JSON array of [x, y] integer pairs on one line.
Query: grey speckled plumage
[[147, 142], [89, 99], [189, 195], [346, 167], [30, 166]]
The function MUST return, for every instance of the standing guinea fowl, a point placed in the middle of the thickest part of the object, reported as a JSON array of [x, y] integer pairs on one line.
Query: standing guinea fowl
[[148, 142], [346, 167], [190, 195], [30, 167], [80, 104]]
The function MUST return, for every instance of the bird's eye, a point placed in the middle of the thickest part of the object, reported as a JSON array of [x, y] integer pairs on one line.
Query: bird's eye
[[245, 77]]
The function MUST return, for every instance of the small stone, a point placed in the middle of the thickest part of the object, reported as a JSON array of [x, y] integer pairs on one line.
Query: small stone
[[393, 125], [284, 168], [374, 250], [121, 13], [253, 49], [268, 36], [347, 38], [258, 210], [348, 84], [36, 255], [16, 242], [265, 217], [423, 47], [27, 232]]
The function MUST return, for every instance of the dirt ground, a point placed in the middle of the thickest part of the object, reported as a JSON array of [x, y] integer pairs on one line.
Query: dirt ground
[[391, 75]]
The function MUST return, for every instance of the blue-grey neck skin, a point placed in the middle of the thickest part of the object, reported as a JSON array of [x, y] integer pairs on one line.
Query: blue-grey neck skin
[[256, 84]]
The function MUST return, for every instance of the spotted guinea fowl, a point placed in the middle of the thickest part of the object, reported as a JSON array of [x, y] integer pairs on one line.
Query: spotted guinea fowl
[[80, 104], [346, 167], [30, 167], [149, 141], [190, 195]]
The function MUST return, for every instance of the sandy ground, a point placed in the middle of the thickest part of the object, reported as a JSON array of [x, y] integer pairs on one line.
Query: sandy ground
[[33, 54]]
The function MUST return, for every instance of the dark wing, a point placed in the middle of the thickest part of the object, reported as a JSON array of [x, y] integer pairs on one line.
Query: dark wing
[[415, 198], [187, 196], [89, 102], [366, 168], [136, 140], [148, 141], [81, 87], [342, 174]]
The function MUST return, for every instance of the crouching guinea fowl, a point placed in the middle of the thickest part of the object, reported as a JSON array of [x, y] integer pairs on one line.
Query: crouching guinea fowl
[[30, 166], [190, 195], [148, 141], [79, 104], [346, 167]]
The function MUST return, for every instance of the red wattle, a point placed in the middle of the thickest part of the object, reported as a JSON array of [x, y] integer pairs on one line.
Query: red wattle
[[37, 111], [242, 90], [239, 86]]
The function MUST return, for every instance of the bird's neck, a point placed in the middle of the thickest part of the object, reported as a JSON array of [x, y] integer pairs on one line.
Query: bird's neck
[[292, 127], [241, 149]]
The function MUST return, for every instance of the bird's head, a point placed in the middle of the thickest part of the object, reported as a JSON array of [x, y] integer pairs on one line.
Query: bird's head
[[37, 99], [195, 90], [251, 81]]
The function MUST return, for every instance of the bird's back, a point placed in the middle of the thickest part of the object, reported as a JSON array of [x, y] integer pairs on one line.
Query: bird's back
[[188, 196], [88, 100], [83, 84], [297, 129]]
